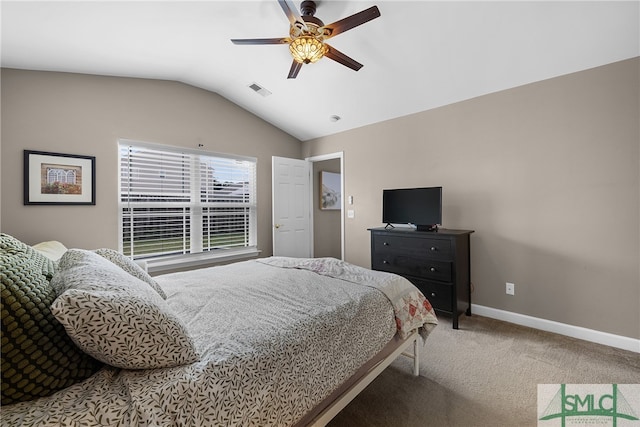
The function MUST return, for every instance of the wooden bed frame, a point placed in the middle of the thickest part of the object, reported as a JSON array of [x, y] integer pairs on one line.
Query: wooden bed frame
[[340, 398]]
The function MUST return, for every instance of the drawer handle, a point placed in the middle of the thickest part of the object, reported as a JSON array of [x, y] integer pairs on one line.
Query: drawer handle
[[384, 261], [386, 244], [433, 294], [433, 249], [433, 269]]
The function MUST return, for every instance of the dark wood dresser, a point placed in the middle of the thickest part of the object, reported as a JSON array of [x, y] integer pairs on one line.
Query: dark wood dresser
[[437, 262]]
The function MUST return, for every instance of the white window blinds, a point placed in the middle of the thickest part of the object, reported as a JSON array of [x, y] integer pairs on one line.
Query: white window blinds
[[175, 201]]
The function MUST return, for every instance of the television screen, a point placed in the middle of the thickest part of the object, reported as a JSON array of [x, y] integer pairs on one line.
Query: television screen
[[421, 207]]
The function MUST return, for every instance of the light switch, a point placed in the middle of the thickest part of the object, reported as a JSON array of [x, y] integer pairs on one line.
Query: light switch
[[351, 213], [350, 200]]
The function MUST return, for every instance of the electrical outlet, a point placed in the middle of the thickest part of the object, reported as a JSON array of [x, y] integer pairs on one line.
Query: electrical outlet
[[511, 289]]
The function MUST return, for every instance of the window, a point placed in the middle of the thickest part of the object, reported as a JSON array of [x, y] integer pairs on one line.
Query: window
[[177, 201]]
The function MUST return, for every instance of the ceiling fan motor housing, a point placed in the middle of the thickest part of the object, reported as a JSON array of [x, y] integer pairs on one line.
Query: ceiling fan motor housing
[[307, 10], [308, 7]]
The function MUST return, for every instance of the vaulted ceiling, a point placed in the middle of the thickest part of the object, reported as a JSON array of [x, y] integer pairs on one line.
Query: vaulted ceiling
[[417, 56]]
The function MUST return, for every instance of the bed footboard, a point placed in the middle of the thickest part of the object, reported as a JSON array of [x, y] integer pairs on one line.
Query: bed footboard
[[337, 401]]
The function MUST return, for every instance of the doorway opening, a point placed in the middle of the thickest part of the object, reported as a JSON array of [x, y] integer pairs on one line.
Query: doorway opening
[[327, 205]]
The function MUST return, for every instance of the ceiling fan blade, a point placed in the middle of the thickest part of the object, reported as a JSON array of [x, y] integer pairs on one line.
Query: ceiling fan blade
[[340, 57], [352, 21], [295, 68], [261, 41], [292, 13]]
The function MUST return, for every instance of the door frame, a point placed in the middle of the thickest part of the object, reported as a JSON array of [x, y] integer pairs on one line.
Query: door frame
[[320, 158]]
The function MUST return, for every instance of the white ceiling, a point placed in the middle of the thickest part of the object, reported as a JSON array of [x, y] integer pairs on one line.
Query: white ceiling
[[418, 55]]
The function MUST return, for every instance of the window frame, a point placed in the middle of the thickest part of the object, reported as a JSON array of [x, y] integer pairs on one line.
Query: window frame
[[197, 204]]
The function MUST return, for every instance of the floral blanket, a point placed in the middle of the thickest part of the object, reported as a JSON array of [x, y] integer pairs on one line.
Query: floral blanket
[[411, 309]]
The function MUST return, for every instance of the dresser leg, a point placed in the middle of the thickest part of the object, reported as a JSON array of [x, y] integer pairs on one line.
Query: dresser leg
[[455, 321]]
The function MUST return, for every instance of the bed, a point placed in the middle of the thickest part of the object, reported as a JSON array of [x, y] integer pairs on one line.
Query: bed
[[272, 341]]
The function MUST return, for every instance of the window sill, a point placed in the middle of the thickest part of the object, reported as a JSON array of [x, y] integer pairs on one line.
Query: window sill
[[163, 265]]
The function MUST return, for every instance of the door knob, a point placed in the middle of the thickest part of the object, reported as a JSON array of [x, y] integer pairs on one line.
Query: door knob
[[278, 225]]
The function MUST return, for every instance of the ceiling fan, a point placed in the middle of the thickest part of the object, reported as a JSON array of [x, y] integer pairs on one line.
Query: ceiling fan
[[307, 35]]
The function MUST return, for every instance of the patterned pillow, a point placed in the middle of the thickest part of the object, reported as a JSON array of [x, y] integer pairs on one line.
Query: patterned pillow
[[38, 357], [115, 317], [130, 267]]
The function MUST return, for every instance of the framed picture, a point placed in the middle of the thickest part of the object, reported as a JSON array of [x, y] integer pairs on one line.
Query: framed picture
[[330, 195], [59, 179]]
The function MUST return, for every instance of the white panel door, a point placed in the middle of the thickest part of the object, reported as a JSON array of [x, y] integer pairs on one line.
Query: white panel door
[[291, 191]]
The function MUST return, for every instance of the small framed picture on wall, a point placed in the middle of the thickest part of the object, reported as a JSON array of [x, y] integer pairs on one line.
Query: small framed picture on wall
[[330, 195], [59, 179]]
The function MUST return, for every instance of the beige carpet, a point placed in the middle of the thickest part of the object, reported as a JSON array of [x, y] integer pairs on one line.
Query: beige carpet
[[484, 374]]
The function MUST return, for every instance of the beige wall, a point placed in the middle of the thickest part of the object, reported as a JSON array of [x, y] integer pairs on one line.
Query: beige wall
[[82, 114], [326, 223], [547, 176]]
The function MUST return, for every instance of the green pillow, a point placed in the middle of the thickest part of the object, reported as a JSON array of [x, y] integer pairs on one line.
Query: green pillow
[[11, 246], [38, 357]]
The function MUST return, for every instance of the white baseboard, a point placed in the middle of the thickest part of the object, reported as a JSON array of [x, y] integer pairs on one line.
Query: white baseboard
[[591, 335]]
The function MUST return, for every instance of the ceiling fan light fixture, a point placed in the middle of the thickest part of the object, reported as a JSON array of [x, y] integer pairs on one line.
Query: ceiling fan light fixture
[[307, 49]]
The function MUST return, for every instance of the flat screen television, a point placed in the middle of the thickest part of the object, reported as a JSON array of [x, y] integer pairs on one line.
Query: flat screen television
[[421, 207]]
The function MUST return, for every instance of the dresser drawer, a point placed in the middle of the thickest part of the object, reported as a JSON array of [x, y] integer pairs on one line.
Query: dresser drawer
[[411, 266], [436, 262], [413, 247], [440, 295]]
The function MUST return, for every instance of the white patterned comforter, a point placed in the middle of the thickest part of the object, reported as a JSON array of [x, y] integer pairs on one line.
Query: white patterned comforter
[[273, 342]]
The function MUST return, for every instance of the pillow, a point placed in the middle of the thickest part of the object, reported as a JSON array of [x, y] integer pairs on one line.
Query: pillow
[[115, 317], [51, 249], [130, 267], [38, 357], [13, 246]]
